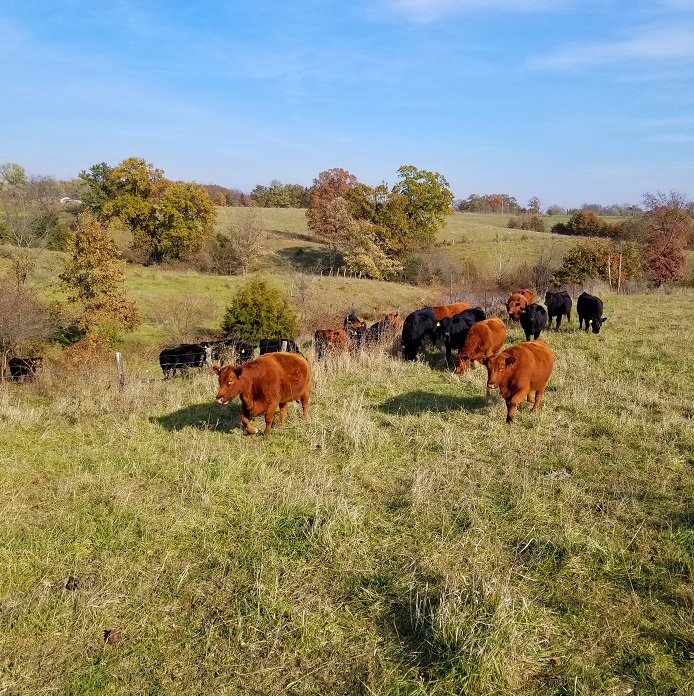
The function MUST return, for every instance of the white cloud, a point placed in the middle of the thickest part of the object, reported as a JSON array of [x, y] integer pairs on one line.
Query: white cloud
[[431, 10], [667, 45]]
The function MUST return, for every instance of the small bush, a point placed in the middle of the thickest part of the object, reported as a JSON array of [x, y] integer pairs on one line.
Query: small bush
[[258, 310], [527, 222]]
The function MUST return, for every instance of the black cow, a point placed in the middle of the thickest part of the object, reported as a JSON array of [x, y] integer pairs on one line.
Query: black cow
[[181, 357], [274, 345], [558, 304], [533, 319], [386, 327], [21, 368], [454, 329], [589, 309], [242, 350], [416, 327]]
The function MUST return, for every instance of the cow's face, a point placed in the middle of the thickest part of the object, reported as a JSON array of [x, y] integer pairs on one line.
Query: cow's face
[[229, 384], [515, 309], [497, 367], [597, 324], [462, 363]]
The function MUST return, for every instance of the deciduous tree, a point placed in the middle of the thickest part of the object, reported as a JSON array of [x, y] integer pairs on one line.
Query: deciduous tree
[[94, 279], [169, 220], [665, 229]]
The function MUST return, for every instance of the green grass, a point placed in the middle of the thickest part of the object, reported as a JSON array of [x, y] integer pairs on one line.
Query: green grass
[[404, 540]]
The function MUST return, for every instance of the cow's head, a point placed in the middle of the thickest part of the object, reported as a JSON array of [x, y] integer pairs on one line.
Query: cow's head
[[229, 382], [497, 367], [597, 323], [515, 308], [462, 363]]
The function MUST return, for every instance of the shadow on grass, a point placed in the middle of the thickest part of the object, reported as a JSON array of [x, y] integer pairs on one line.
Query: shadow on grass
[[304, 258], [210, 416], [420, 402]]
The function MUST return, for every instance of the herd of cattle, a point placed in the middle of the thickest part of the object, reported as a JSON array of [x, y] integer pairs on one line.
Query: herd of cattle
[[273, 380], [282, 374]]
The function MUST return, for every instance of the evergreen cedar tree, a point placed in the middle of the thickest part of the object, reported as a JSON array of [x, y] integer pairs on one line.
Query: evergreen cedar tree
[[258, 310]]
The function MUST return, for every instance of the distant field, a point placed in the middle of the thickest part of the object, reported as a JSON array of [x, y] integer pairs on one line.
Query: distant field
[[483, 239], [403, 541]]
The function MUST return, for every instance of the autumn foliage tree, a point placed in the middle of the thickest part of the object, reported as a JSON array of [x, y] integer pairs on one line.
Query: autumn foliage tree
[[665, 230], [374, 228], [94, 279], [169, 220], [328, 186]]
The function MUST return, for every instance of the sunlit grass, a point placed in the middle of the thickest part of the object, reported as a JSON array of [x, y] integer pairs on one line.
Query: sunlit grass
[[404, 540]]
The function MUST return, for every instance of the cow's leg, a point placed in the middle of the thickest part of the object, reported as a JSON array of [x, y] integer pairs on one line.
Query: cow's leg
[[538, 397], [512, 403], [558, 321], [283, 413], [304, 405], [246, 421], [269, 416], [448, 354]]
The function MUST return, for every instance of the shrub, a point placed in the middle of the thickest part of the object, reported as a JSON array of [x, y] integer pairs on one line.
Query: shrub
[[258, 310], [598, 259], [527, 222]]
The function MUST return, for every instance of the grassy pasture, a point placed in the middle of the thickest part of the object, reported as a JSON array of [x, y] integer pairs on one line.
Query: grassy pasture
[[404, 540]]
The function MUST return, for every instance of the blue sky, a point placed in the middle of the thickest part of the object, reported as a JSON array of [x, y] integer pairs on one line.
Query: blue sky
[[572, 101]]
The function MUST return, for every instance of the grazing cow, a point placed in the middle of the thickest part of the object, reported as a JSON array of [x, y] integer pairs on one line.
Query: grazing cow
[[518, 371], [415, 328], [533, 319], [264, 385], [558, 304], [24, 368], [455, 330], [388, 326], [483, 340], [334, 340], [450, 310], [278, 345], [589, 309], [518, 301], [182, 358]]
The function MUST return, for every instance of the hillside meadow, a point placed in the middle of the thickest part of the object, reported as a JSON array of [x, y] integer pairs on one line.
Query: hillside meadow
[[403, 540]]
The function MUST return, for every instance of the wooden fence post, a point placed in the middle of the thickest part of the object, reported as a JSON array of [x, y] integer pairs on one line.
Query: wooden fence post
[[619, 276], [121, 372]]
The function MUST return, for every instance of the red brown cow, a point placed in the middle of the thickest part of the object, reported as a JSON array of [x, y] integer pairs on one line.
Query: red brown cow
[[450, 310], [335, 340], [520, 370], [385, 328], [483, 340], [264, 385], [518, 301]]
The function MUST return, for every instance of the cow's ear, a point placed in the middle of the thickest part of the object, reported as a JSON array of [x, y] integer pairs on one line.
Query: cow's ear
[[216, 369], [604, 319], [510, 360], [238, 370]]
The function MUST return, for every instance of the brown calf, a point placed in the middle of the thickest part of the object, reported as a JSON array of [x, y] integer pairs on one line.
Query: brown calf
[[520, 370], [264, 385], [483, 340], [450, 310], [330, 339], [518, 301]]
